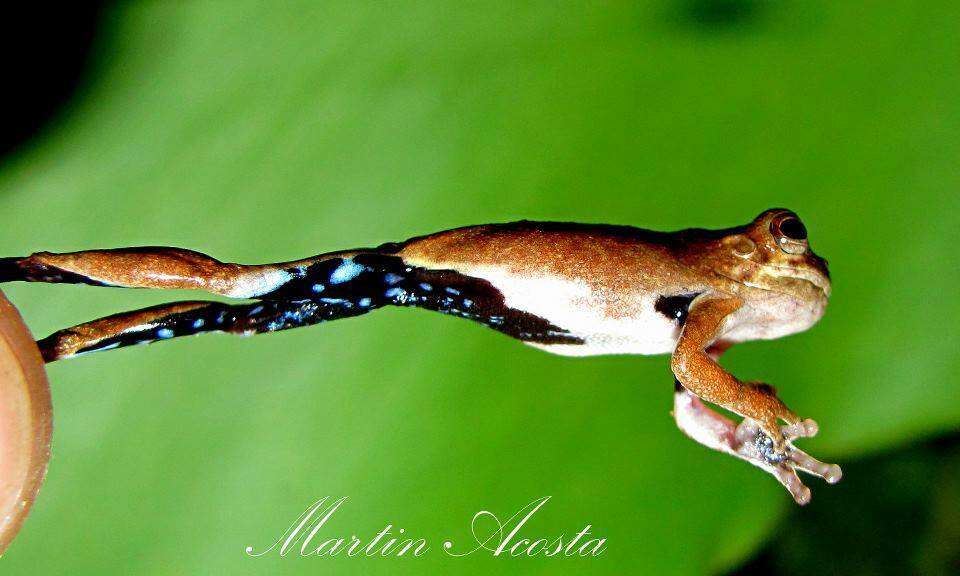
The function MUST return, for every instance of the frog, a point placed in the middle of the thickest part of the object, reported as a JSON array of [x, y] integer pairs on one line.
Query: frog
[[566, 288]]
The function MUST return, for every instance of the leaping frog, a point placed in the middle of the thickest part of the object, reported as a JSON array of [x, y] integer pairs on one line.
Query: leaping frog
[[570, 289]]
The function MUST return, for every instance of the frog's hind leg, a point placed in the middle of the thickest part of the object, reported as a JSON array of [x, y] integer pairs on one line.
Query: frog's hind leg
[[324, 287], [193, 317], [148, 267]]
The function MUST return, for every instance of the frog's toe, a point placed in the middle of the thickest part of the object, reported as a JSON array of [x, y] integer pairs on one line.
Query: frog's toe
[[787, 476], [786, 473], [804, 462], [802, 429]]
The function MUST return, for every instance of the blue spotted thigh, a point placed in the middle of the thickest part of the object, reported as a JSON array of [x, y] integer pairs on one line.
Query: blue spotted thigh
[[268, 316], [372, 280]]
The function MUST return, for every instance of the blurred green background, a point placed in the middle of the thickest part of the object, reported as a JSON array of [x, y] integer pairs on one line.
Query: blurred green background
[[271, 131]]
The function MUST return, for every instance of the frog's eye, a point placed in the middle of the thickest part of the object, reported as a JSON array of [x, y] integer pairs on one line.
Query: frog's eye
[[790, 234], [793, 229]]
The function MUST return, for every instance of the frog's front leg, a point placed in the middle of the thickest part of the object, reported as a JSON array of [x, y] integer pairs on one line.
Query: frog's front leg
[[700, 374], [759, 438]]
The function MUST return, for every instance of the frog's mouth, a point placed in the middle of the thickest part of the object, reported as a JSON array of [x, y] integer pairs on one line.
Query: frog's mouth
[[775, 278], [816, 274]]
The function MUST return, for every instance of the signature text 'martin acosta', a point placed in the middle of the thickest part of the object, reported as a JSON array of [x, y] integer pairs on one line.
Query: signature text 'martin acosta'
[[308, 535]]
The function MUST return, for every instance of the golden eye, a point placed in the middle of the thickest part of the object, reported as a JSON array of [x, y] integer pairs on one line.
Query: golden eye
[[790, 234], [793, 228]]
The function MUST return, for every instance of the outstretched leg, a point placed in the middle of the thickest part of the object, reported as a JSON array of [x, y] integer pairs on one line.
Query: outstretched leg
[[155, 267], [189, 318], [356, 280]]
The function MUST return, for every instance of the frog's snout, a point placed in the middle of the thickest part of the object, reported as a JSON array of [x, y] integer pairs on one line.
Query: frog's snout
[[818, 273], [820, 264]]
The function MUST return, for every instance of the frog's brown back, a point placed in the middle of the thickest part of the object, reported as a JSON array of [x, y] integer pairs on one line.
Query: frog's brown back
[[602, 254]]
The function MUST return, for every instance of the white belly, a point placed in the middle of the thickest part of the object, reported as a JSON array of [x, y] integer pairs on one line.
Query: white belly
[[607, 324]]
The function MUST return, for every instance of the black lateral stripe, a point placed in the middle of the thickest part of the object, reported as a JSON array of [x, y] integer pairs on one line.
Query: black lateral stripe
[[375, 279], [675, 307]]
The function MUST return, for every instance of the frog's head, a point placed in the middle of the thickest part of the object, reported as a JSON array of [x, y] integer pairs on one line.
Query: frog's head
[[773, 253]]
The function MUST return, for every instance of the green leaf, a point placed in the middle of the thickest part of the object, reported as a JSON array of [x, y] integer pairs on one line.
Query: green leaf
[[268, 131]]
